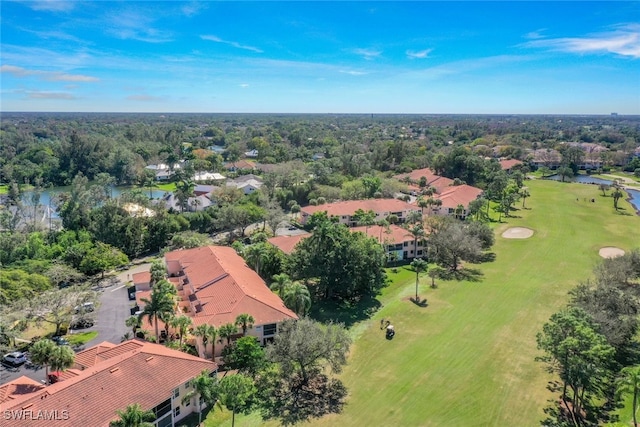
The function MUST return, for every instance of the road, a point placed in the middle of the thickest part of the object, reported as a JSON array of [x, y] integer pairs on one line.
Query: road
[[113, 311]]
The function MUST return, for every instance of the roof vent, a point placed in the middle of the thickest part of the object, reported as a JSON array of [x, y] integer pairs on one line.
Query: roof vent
[[148, 358], [114, 370], [27, 406]]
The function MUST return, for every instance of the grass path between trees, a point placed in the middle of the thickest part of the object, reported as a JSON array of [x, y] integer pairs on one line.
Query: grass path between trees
[[468, 358]]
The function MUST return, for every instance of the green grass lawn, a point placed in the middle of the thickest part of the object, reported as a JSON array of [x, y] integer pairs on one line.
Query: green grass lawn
[[81, 338], [168, 187], [468, 358]]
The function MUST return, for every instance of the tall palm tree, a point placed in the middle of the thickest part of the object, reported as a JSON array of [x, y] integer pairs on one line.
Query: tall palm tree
[[459, 210], [419, 265], [617, 195], [62, 358], [297, 298], [184, 190], [205, 331], [182, 324], [280, 283], [524, 193], [629, 382], [227, 331], [134, 323], [159, 307], [204, 389], [255, 255], [158, 271], [417, 231], [245, 321], [423, 203], [134, 416], [42, 353]]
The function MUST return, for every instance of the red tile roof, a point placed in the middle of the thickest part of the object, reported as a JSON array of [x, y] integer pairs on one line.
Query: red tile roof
[[225, 287], [508, 164], [349, 207], [459, 195], [142, 277], [419, 173], [18, 387], [392, 234], [132, 372], [287, 243]]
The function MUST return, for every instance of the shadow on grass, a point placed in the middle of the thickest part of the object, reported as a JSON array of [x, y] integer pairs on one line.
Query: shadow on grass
[[468, 274], [419, 302], [343, 312]]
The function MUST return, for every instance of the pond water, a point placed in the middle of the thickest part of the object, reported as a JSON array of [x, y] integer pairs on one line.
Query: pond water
[[583, 179], [634, 198], [47, 194]]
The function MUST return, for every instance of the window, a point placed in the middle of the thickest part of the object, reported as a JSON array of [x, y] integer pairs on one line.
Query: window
[[419, 252], [188, 384], [162, 408], [269, 329], [176, 412], [176, 393], [187, 403], [406, 244]]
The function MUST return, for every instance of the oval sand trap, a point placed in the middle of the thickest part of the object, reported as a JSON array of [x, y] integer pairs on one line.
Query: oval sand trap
[[610, 252], [517, 233]]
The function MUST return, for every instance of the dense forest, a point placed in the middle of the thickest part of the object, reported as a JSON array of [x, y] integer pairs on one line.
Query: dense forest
[[56, 147]]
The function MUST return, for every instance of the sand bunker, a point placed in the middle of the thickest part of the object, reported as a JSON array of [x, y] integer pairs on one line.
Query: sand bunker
[[610, 252], [517, 233]]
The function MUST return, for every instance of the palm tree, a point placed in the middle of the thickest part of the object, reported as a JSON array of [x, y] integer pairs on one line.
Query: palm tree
[[629, 382], [134, 323], [413, 217], [419, 265], [160, 306], [42, 353], [158, 271], [297, 298], [126, 337], [181, 323], [524, 193], [134, 416], [245, 321], [423, 203], [255, 255], [227, 331], [184, 190], [617, 194], [459, 211], [204, 389], [206, 331], [437, 203], [280, 283], [62, 358], [417, 231]]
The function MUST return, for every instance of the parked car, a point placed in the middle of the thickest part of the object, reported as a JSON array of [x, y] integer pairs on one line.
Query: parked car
[[81, 323], [59, 340], [86, 307], [17, 358]]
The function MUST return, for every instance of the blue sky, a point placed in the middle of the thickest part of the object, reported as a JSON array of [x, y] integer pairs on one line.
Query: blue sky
[[321, 57]]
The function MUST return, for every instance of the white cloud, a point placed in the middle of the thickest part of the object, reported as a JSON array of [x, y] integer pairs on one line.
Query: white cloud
[[192, 9], [354, 73], [244, 85], [135, 25], [367, 54], [624, 41], [52, 5], [421, 54], [34, 94], [54, 76], [534, 35], [230, 43]]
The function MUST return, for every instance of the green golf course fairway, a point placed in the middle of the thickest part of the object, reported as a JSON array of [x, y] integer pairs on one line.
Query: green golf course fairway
[[468, 358]]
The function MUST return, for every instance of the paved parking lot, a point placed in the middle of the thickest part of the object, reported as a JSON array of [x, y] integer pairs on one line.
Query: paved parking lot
[[113, 311]]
